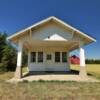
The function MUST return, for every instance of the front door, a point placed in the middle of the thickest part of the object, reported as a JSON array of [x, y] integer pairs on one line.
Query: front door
[[49, 61]]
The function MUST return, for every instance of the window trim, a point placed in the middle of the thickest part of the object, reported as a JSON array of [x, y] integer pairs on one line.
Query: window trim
[[48, 56], [33, 57], [38, 57], [57, 57], [63, 57]]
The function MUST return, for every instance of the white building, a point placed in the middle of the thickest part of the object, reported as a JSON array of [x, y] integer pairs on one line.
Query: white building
[[49, 43]]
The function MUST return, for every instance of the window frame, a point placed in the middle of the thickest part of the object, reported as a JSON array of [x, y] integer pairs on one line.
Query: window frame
[[39, 57], [64, 54], [33, 57], [58, 57], [49, 57]]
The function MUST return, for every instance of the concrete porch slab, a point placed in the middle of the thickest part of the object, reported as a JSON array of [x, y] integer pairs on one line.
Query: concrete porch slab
[[51, 77]]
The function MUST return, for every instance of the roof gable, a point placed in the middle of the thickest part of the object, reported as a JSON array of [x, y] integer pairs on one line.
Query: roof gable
[[54, 19]]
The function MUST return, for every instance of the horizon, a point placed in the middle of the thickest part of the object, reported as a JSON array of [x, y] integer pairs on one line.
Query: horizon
[[16, 15]]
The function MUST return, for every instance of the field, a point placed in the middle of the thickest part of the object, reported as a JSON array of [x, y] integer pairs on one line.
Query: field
[[92, 69], [52, 90]]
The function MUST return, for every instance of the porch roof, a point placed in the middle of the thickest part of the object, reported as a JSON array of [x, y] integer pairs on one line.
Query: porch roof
[[52, 18], [56, 45]]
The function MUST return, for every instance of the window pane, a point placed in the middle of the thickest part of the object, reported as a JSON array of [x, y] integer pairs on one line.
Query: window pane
[[64, 57], [57, 56], [49, 57], [40, 56], [33, 56]]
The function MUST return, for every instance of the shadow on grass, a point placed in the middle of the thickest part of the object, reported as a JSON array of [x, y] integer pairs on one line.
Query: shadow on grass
[[92, 74], [71, 72]]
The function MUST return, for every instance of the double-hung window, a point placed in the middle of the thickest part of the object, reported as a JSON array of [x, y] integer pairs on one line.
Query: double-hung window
[[64, 57], [33, 56], [57, 56], [40, 56]]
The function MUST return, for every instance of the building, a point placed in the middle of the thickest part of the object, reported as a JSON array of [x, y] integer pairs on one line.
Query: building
[[49, 43]]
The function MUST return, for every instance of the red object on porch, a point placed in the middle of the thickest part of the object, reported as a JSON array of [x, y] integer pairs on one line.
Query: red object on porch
[[75, 60]]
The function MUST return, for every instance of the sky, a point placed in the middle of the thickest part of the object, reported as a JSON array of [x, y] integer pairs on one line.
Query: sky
[[84, 15]]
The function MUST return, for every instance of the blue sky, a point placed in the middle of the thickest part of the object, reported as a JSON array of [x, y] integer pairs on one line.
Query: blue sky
[[82, 14]]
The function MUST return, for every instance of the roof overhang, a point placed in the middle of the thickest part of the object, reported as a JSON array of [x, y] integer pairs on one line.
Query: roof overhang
[[52, 18]]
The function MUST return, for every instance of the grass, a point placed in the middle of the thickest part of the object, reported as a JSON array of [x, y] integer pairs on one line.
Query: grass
[[92, 69], [6, 75], [51, 90]]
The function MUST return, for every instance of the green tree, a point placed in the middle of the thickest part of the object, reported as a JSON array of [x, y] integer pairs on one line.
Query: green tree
[[2, 43], [7, 54], [9, 58]]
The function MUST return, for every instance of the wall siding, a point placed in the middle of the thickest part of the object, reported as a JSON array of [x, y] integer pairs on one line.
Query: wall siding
[[51, 66], [51, 30]]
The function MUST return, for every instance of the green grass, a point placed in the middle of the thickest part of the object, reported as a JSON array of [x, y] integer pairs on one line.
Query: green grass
[[51, 90]]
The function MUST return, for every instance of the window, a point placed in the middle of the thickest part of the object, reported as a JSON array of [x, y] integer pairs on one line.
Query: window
[[33, 56], [49, 57], [64, 57], [40, 56], [57, 56]]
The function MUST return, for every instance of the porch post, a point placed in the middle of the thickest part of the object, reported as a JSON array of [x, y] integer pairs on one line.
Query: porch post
[[18, 73], [82, 63]]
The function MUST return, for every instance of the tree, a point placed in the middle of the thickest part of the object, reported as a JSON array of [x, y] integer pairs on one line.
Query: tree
[[9, 58], [7, 54], [2, 43]]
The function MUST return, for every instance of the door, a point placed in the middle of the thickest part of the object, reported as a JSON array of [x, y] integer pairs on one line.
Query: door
[[49, 61]]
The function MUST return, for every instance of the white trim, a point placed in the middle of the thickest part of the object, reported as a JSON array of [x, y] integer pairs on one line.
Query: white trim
[[36, 59], [28, 28], [74, 29], [19, 54], [82, 57], [61, 56], [55, 19], [68, 59]]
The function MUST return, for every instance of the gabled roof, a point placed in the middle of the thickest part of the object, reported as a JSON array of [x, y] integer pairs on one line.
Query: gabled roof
[[53, 19]]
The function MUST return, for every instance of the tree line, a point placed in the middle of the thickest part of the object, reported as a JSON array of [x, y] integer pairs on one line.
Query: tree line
[[92, 61]]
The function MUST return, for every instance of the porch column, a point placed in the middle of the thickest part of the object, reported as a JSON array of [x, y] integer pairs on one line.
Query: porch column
[[82, 63], [18, 73]]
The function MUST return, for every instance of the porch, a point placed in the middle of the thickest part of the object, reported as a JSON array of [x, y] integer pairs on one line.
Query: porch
[[47, 60], [54, 76]]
